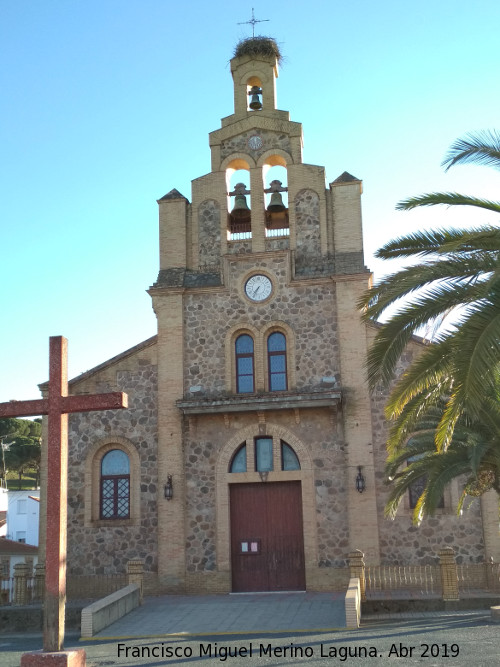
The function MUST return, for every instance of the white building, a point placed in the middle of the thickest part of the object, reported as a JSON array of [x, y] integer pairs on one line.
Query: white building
[[23, 516]]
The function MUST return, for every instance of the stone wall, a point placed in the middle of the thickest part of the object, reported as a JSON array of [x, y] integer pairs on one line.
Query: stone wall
[[320, 434], [309, 310], [105, 546], [270, 140], [209, 233], [279, 243], [239, 247], [201, 449], [307, 228]]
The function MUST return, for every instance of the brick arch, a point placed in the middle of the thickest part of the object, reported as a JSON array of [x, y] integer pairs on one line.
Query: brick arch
[[304, 191], [289, 333], [282, 158], [249, 432], [205, 202], [231, 336], [238, 159], [224, 478], [228, 450], [246, 78], [93, 460]]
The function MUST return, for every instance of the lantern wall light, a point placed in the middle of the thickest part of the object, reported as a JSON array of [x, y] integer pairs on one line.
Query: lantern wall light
[[169, 489], [360, 481]]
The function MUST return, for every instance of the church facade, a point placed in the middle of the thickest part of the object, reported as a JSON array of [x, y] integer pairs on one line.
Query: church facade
[[251, 457]]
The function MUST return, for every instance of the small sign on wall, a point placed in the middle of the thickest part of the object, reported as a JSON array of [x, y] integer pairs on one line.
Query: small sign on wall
[[250, 546]]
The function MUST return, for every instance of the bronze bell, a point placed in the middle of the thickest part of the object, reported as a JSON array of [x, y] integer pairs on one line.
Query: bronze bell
[[255, 103], [240, 209], [276, 204]]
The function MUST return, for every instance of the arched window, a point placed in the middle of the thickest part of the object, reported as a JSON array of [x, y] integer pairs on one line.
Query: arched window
[[244, 364], [289, 459], [276, 361], [239, 460], [115, 485]]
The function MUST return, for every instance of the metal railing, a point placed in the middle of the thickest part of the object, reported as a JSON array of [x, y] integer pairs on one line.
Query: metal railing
[[424, 579], [477, 577], [29, 590]]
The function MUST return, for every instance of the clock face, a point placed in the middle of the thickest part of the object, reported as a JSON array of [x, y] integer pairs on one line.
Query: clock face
[[258, 287], [255, 142]]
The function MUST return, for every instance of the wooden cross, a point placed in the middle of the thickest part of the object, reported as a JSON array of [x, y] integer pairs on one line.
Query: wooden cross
[[57, 406]]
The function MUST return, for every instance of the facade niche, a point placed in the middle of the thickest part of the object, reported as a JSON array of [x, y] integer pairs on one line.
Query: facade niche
[[308, 230], [209, 233]]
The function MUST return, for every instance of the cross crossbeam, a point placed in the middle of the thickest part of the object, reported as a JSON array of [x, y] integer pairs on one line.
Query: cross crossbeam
[[252, 22], [57, 406]]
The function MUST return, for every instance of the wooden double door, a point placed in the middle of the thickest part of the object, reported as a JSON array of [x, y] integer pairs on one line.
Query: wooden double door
[[267, 539]]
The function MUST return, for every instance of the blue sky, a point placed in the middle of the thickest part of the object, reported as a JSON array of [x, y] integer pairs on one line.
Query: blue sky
[[107, 105]]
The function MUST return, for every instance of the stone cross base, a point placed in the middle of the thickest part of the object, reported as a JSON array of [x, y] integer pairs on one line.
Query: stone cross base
[[76, 658]]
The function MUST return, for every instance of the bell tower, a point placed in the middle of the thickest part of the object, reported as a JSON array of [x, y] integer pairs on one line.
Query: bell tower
[[263, 255], [254, 77]]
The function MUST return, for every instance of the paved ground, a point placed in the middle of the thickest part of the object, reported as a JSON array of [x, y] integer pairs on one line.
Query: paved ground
[[454, 639], [248, 613]]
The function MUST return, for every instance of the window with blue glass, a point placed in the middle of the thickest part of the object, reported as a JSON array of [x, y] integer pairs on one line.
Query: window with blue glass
[[244, 364], [289, 459], [239, 460], [263, 454], [276, 361], [115, 485]]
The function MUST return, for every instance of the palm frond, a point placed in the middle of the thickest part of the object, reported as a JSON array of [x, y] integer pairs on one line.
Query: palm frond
[[440, 240], [413, 416], [431, 367], [457, 275], [438, 469], [482, 148], [477, 352], [445, 407], [446, 199]]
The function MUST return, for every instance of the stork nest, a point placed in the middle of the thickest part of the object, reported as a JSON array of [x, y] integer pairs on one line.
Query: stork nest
[[258, 46]]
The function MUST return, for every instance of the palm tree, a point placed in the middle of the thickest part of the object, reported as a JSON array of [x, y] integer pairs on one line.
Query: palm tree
[[474, 451], [459, 271]]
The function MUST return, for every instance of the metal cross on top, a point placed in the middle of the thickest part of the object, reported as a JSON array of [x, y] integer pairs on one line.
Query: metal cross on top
[[252, 22], [57, 406]]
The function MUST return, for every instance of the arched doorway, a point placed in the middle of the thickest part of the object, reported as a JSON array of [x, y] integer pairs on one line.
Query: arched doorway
[[266, 520]]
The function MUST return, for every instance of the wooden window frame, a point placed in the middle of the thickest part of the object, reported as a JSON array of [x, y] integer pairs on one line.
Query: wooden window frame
[[244, 355], [270, 354]]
